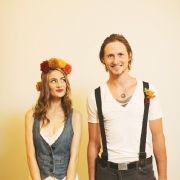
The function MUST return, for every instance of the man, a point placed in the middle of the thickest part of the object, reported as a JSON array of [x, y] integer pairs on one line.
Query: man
[[125, 114]]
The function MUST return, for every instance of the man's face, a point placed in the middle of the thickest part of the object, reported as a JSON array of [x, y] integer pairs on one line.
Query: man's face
[[116, 58]]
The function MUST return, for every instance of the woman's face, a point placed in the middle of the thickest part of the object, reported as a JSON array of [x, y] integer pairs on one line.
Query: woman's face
[[57, 84]]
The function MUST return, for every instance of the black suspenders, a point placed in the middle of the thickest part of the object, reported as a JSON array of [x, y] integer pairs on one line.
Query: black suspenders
[[104, 154], [142, 153]]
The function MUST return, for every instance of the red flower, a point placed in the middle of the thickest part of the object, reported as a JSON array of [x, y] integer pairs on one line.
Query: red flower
[[45, 67], [67, 69], [146, 100]]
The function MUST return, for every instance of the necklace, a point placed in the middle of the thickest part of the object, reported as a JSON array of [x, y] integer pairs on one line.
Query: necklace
[[123, 95], [125, 101]]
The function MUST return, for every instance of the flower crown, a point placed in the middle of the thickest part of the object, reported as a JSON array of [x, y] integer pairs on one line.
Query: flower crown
[[55, 63]]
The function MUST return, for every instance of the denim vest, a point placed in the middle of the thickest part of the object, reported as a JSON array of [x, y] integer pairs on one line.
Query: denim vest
[[53, 160]]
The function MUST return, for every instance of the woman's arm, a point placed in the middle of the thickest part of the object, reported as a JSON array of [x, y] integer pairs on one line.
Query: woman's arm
[[77, 125], [30, 151]]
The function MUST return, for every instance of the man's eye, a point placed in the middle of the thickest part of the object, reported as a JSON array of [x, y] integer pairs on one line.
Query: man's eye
[[120, 54], [110, 56]]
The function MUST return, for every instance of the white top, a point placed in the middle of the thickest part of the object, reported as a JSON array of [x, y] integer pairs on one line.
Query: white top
[[123, 124], [50, 140]]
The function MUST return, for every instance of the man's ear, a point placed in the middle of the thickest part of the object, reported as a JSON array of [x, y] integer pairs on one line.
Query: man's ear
[[130, 56], [103, 61]]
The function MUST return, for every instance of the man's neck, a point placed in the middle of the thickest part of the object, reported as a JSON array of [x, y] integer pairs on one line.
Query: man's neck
[[120, 80]]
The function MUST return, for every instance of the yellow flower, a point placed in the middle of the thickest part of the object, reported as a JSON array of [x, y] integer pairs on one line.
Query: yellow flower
[[150, 94], [61, 63]]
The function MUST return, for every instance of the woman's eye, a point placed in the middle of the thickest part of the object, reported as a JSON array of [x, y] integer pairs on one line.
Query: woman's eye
[[63, 80], [53, 81]]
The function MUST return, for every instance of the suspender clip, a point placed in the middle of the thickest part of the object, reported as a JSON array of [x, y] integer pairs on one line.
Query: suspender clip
[[142, 159]]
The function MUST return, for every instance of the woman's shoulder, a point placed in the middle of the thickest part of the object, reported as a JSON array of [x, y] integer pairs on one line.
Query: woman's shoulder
[[76, 117], [30, 112], [29, 116], [76, 114], [76, 121]]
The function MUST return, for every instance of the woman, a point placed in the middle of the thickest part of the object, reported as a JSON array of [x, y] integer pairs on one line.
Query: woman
[[52, 127]]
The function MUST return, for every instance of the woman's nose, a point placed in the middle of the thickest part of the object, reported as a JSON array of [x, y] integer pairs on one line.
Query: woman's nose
[[58, 84]]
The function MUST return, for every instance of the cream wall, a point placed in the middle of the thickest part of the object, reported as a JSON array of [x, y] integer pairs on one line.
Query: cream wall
[[31, 31]]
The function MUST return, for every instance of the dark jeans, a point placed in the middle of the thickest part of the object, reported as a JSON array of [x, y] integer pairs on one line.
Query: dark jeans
[[106, 173]]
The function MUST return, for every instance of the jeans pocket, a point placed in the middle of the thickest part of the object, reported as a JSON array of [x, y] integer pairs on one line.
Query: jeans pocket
[[146, 173], [104, 173]]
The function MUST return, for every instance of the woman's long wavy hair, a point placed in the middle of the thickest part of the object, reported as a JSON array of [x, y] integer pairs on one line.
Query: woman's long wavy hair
[[43, 102]]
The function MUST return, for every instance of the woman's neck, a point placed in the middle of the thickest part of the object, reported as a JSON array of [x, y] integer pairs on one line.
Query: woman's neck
[[55, 105]]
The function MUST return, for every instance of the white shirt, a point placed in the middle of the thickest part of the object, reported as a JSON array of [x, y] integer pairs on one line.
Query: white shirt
[[123, 124]]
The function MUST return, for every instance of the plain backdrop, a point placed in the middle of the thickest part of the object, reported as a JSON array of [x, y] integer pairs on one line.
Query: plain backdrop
[[34, 30]]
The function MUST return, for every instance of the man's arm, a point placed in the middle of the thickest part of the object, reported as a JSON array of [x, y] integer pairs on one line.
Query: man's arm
[[93, 148], [159, 148]]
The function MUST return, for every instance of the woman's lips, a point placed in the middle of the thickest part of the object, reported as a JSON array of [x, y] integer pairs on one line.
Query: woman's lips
[[59, 90]]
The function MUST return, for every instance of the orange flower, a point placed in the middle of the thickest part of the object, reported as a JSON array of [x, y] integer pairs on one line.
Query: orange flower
[[53, 63], [149, 93], [39, 86]]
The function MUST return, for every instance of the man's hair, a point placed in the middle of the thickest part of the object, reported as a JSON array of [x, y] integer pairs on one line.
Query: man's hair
[[113, 38]]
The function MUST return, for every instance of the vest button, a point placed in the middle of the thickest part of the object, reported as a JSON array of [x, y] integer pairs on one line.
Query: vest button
[[53, 148], [51, 170]]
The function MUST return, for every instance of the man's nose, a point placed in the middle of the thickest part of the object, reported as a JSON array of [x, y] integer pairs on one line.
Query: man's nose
[[116, 59]]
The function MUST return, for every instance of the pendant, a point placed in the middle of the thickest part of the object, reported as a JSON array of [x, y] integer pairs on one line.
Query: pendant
[[123, 95]]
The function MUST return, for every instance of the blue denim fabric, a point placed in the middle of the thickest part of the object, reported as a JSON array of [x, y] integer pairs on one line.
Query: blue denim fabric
[[53, 160]]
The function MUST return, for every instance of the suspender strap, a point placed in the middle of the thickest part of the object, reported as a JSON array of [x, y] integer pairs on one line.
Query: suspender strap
[[142, 153], [104, 154]]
